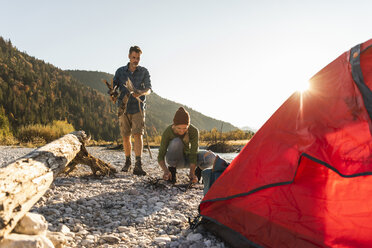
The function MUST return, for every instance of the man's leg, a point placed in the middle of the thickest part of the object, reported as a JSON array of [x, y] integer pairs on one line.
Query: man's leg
[[138, 130], [125, 131], [127, 146], [138, 144], [127, 151], [138, 147]]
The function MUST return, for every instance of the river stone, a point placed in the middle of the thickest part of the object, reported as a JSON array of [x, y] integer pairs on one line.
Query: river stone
[[31, 224], [110, 239], [58, 239], [194, 237], [15, 240], [64, 229], [162, 238]]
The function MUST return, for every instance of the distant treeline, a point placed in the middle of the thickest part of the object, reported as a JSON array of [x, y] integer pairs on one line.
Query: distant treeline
[[214, 135]]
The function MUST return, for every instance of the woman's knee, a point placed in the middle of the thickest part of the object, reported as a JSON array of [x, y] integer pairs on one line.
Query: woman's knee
[[174, 155], [175, 145]]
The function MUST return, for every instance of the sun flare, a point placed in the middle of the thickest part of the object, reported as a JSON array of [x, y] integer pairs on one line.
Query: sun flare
[[302, 86]]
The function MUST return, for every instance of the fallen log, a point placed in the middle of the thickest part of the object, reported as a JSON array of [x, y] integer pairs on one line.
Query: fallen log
[[25, 180]]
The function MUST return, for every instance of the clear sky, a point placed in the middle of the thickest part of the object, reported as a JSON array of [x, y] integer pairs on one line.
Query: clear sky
[[233, 60]]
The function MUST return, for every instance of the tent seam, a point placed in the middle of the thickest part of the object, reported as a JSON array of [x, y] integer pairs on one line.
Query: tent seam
[[368, 173]]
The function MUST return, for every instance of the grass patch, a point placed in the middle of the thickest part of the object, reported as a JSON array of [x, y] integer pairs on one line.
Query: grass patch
[[38, 134]]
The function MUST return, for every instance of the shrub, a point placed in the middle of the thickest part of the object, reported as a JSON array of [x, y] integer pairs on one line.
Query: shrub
[[39, 134], [8, 140]]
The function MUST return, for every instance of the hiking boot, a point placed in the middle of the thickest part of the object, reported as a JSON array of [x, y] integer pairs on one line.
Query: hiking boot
[[127, 165], [198, 172], [173, 172], [138, 169]]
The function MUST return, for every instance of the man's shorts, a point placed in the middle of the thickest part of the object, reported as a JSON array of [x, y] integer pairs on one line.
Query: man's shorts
[[131, 124]]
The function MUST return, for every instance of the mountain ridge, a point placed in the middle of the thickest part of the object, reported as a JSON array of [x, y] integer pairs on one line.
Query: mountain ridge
[[160, 111]]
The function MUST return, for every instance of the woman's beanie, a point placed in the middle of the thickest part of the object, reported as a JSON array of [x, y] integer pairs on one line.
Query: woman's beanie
[[181, 117]]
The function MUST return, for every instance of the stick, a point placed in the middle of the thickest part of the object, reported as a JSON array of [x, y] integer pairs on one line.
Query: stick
[[144, 127]]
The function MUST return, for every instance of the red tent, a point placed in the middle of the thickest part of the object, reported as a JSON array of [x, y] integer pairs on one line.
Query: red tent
[[304, 180]]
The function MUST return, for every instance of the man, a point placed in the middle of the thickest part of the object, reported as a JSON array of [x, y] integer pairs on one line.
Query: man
[[179, 148], [131, 103]]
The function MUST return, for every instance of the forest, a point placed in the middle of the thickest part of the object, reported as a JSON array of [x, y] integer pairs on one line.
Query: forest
[[35, 92]]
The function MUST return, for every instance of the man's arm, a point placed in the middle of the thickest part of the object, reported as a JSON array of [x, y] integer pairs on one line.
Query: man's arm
[[116, 80], [117, 83], [145, 88], [146, 85]]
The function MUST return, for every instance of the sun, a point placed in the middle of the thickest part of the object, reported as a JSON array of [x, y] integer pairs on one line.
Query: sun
[[302, 86]]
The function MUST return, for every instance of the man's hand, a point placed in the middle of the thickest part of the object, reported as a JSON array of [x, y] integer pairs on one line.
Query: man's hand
[[112, 90], [113, 95], [136, 95]]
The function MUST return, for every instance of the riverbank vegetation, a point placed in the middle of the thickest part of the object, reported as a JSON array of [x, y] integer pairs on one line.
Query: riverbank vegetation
[[38, 134], [33, 135]]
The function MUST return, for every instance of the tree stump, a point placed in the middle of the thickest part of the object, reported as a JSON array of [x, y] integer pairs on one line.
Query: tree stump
[[25, 180]]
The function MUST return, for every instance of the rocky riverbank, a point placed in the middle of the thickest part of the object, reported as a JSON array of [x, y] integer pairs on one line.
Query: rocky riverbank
[[121, 211]]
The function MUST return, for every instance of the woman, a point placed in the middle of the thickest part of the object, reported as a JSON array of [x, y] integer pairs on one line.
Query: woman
[[179, 149]]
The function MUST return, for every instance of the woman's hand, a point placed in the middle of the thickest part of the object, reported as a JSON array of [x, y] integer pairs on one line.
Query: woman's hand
[[193, 178], [167, 175]]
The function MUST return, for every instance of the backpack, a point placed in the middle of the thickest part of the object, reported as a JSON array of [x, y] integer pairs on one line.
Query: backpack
[[210, 175]]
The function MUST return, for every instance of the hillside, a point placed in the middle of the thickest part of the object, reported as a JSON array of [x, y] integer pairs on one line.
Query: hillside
[[35, 92], [92, 79], [160, 111]]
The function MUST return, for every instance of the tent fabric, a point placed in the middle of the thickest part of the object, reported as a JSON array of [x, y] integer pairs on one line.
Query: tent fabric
[[304, 180]]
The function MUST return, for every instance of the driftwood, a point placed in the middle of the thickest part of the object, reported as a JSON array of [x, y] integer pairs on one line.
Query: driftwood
[[98, 167], [24, 181]]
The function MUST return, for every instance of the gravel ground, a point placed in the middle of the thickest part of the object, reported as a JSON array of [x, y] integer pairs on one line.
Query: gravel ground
[[121, 211]]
